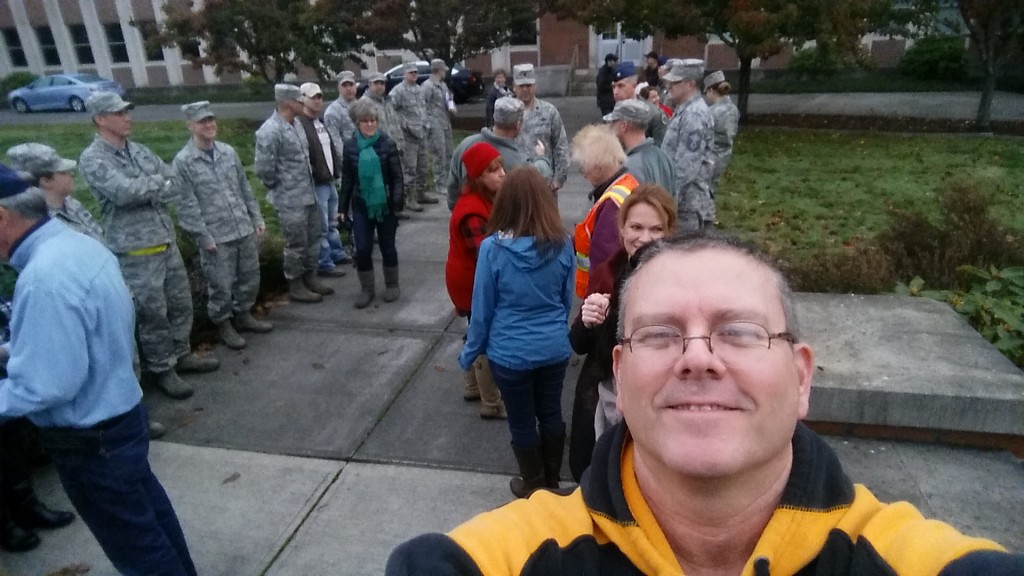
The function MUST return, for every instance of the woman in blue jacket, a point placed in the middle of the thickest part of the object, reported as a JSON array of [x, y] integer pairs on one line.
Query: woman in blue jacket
[[522, 295]]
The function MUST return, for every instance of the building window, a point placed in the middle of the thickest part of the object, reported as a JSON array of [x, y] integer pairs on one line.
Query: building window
[[149, 30], [48, 45], [189, 48], [80, 39], [115, 39], [14, 48], [523, 30]]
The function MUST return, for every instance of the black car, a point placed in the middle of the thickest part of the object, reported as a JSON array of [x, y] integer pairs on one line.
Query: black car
[[464, 84]]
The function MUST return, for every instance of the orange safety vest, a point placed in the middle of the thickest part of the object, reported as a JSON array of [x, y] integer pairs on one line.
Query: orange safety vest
[[617, 192]]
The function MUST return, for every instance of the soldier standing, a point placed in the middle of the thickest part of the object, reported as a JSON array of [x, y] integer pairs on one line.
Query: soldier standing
[[541, 123], [336, 117], [624, 88], [220, 212], [688, 144], [727, 124], [134, 188], [282, 164], [440, 108], [644, 159], [53, 175], [407, 98]]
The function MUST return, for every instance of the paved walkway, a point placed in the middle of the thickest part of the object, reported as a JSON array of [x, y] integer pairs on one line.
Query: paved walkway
[[342, 432]]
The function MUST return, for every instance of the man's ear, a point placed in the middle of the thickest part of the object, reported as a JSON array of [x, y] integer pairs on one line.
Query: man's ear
[[803, 362]]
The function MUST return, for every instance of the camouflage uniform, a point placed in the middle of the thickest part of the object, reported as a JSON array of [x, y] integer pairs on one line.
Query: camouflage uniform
[[658, 123], [543, 122], [133, 187], [688, 144], [408, 102], [388, 120], [218, 208], [282, 164], [512, 157], [436, 95], [78, 218], [338, 122], [727, 122], [649, 165]]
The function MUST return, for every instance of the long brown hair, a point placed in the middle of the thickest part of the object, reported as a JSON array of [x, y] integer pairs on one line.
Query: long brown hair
[[525, 206]]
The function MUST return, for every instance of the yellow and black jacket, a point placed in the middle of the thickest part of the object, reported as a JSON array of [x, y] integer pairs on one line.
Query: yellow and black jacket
[[823, 525]]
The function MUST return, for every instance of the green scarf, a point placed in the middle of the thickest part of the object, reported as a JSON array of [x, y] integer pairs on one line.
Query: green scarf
[[371, 179]]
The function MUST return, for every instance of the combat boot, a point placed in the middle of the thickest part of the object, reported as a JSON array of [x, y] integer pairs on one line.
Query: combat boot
[[193, 362], [297, 292], [391, 291], [229, 337], [412, 205], [427, 199], [245, 322], [172, 385], [366, 293], [315, 285]]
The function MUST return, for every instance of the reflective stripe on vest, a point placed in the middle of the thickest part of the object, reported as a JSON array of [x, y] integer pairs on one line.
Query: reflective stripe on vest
[[623, 186]]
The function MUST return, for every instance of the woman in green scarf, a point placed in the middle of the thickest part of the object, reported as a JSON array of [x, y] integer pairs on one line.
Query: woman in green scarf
[[371, 184]]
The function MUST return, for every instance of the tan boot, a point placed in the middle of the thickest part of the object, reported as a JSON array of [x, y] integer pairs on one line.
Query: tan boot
[[315, 285], [471, 390], [297, 292], [229, 336], [491, 406], [193, 362], [172, 385], [245, 322]]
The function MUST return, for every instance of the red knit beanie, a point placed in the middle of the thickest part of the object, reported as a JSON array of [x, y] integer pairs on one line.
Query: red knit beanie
[[478, 157]]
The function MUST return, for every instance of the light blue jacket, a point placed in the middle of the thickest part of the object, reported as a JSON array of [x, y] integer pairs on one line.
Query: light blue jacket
[[521, 304]]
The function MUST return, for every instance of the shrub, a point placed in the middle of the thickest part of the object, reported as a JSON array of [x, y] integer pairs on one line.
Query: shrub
[[859, 269], [935, 57], [14, 80], [813, 63]]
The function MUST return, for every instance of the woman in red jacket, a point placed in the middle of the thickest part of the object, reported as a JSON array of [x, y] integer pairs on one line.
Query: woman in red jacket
[[485, 172]]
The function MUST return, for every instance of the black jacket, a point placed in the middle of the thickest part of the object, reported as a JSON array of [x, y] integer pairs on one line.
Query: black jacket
[[391, 168], [317, 155]]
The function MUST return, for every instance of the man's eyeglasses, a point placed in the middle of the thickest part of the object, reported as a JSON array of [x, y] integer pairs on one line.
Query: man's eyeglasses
[[734, 343]]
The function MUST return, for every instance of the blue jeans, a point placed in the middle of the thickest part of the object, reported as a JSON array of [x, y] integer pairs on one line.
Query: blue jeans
[[532, 397], [363, 229], [331, 249], [105, 472]]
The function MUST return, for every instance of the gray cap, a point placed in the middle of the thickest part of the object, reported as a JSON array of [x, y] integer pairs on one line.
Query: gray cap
[[287, 93], [523, 74], [438, 64], [716, 77], [409, 67], [38, 159], [376, 77], [197, 111], [309, 90], [688, 69], [634, 111], [508, 111], [106, 103], [346, 76]]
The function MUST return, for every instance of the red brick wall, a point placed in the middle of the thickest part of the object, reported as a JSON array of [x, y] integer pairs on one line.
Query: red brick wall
[[71, 11], [779, 61], [36, 13], [191, 75], [6, 18], [481, 63], [527, 57], [685, 47], [557, 38], [106, 11], [722, 57]]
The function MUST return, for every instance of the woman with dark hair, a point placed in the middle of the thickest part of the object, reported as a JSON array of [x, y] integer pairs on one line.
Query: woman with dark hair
[[467, 229], [371, 183], [649, 213], [497, 90], [727, 123], [522, 295]]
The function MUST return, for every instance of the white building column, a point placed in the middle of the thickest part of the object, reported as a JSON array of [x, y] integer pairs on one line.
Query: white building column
[[208, 74], [132, 42], [29, 41], [61, 37], [172, 56], [97, 38]]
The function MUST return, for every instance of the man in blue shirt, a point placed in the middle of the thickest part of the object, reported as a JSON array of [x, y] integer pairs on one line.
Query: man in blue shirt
[[70, 297]]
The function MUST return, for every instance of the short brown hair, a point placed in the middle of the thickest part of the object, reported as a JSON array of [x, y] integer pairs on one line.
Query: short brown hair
[[656, 197], [525, 206]]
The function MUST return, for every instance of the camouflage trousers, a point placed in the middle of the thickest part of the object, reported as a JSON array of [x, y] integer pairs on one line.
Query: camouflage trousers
[[439, 138], [163, 306], [232, 277], [300, 226], [414, 167], [695, 206]]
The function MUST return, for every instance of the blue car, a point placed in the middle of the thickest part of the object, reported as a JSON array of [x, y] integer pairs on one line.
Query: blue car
[[60, 92]]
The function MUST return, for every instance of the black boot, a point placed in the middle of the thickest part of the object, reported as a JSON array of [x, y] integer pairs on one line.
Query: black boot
[[531, 471], [552, 448], [29, 512], [14, 538]]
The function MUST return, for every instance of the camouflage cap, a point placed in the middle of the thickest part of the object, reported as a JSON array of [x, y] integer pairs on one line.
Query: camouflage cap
[[716, 77], [688, 69], [508, 111], [106, 103], [346, 77], [197, 111], [38, 159], [523, 74], [287, 93], [437, 64], [409, 67], [634, 111], [376, 77]]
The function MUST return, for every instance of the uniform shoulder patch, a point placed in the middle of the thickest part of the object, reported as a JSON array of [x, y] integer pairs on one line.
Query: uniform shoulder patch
[[694, 141]]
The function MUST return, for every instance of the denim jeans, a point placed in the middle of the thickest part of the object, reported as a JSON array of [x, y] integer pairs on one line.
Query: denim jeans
[[532, 397], [107, 477], [330, 241], [363, 229]]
